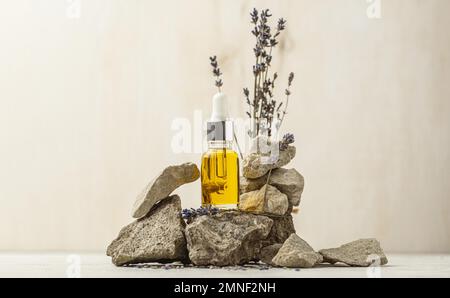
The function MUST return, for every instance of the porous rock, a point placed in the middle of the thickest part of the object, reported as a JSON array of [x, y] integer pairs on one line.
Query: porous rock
[[288, 181], [256, 165], [269, 252], [282, 228], [226, 239], [267, 200], [296, 253], [157, 237]]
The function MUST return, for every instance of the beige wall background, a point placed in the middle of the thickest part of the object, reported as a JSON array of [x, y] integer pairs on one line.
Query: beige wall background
[[87, 102]]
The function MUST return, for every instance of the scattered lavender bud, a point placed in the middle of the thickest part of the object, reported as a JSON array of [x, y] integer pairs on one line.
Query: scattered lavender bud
[[189, 214]]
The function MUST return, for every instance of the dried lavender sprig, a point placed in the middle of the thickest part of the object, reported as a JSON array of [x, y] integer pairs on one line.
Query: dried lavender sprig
[[287, 93], [216, 72], [247, 101], [263, 106], [281, 25], [254, 14], [259, 33], [261, 68], [270, 105], [286, 141]]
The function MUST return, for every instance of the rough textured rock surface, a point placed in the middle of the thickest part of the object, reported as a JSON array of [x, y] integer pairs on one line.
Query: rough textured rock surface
[[159, 236], [163, 185], [269, 252], [296, 253], [282, 228], [256, 165], [268, 200], [357, 253], [288, 181], [226, 239]]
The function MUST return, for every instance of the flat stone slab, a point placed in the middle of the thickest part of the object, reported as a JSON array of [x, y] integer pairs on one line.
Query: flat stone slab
[[255, 165], [163, 185], [360, 253]]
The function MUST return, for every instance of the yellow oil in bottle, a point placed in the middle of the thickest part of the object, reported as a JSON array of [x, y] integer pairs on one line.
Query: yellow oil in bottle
[[220, 177]]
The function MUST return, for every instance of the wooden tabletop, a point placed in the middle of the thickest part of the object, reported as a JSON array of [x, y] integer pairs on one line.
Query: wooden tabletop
[[45, 264]]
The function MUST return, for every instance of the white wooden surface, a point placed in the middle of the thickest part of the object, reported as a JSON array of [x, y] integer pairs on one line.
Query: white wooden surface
[[97, 265]]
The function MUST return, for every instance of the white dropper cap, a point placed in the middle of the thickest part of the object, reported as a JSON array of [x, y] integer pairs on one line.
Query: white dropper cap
[[220, 126], [219, 108]]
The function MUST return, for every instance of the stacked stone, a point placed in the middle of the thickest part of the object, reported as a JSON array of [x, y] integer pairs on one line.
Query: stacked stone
[[226, 239], [269, 189], [262, 230]]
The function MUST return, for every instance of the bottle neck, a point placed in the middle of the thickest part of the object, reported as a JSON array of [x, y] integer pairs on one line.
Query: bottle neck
[[220, 144]]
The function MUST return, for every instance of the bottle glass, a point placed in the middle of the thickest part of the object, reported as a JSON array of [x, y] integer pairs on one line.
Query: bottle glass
[[220, 176]]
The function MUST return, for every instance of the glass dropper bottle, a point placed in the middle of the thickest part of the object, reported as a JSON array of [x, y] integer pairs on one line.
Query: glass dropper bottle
[[220, 163]]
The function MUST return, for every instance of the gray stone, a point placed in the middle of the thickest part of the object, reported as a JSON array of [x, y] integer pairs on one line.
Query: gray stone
[[359, 253], [163, 185], [267, 200], [296, 253], [255, 165], [226, 239], [288, 181], [282, 228], [269, 252], [157, 237]]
